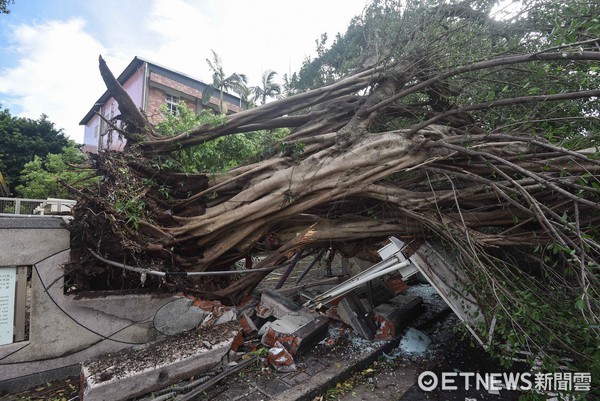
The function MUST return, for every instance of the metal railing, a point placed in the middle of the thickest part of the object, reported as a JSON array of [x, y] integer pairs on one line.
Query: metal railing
[[29, 207]]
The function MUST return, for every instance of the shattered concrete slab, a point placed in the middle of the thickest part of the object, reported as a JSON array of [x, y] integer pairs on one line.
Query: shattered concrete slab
[[296, 331], [274, 304], [280, 358], [220, 315], [123, 375], [375, 292], [396, 284], [352, 312], [248, 326], [390, 318]]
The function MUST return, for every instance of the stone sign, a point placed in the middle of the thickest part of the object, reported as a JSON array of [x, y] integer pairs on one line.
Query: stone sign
[[7, 303]]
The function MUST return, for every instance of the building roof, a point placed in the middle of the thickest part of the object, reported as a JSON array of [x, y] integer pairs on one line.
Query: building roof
[[176, 76]]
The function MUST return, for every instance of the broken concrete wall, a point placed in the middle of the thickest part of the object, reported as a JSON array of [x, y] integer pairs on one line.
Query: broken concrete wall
[[64, 329], [442, 270], [123, 375]]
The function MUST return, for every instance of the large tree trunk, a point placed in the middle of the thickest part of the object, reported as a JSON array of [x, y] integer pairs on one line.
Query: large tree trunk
[[420, 178], [348, 177]]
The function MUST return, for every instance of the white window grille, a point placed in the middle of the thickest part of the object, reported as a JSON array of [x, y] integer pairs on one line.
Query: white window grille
[[172, 103]]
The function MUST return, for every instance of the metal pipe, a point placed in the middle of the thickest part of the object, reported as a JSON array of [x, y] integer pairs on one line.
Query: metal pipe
[[310, 266], [373, 269], [288, 271], [349, 285]]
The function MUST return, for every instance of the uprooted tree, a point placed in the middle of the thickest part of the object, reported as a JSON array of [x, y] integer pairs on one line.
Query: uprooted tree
[[427, 121]]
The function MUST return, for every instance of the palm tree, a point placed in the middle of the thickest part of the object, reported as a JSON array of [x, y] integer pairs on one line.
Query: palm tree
[[268, 88], [235, 82]]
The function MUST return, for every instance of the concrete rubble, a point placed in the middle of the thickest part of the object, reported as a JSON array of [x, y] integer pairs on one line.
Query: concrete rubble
[[393, 316], [353, 312], [297, 331], [204, 335], [123, 375]]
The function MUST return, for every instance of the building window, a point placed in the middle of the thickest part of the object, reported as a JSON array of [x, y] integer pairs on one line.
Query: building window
[[172, 102]]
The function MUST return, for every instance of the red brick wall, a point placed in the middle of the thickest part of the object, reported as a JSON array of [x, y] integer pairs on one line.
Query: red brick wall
[[157, 98], [159, 79], [154, 77]]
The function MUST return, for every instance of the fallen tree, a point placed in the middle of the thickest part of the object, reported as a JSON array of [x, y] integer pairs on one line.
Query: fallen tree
[[450, 125]]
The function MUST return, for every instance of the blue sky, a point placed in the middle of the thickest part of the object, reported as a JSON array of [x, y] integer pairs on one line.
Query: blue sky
[[49, 48]]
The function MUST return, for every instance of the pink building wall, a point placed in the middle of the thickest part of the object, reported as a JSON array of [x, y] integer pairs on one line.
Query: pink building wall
[[134, 87], [148, 86]]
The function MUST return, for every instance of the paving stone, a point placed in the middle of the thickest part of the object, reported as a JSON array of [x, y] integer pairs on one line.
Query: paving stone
[[231, 392], [300, 378], [270, 385], [250, 396]]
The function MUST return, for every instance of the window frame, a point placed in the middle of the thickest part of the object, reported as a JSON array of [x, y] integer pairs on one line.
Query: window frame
[[172, 101]]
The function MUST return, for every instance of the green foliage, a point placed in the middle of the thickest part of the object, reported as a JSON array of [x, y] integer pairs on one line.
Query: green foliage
[[427, 37], [538, 316], [221, 82], [542, 302], [4, 6], [268, 88], [128, 197], [215, 156], [21, 139], [132, 207], [331, 64], [40, 177]]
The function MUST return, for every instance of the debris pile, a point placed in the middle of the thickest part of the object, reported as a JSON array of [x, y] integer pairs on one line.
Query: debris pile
[[275, 329]]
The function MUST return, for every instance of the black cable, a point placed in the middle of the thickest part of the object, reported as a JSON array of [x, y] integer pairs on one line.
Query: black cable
[[80, 324], [166, 274]]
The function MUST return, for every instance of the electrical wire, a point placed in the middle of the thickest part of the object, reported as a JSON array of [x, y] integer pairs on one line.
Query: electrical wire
[[167, 274], [102, 336]]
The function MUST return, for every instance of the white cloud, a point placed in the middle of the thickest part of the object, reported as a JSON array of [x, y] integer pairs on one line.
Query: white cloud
[[52, 75], [55, 68], [181, 30], [249, 36]]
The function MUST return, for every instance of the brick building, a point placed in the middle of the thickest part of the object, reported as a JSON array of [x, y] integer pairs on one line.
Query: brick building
[[150, 86]]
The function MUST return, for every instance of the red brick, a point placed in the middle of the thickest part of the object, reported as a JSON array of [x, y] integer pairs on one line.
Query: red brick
[[280, 358], [248, 325], [238, 341], [396, 284]]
